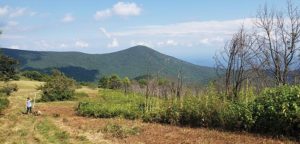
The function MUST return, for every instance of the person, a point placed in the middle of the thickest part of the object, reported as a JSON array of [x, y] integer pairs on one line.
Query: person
[[28, 105]]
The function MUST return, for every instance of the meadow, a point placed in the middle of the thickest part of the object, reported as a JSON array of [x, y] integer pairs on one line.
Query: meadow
[[60, 122]]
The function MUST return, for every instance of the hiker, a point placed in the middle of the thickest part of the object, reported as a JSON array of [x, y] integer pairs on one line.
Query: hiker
[[28, 105]]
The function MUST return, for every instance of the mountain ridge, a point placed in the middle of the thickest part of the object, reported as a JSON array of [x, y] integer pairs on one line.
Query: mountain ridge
[[132, 62]]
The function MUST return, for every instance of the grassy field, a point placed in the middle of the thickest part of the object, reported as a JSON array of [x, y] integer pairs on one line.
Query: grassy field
[[60, 124]]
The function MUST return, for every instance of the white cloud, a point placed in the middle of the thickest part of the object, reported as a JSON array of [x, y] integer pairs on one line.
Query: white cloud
[[123, 9], [3, 10], [126, 9], [171, 42], [81, 44], [68, 18], [63, 45], [143, 43], [12, 23], [113, 44], [43, 44], [18, 12], [13, 12], [14, 47], [188, 28], [102, 14]]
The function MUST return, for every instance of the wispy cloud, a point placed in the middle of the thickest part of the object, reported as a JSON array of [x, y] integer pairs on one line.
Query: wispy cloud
[[187, 28], [3, 10], [114, 42], [81, 44], [13, 12], [68, 18]]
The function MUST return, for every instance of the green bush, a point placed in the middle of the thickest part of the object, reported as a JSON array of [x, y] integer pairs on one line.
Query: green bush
[[237, 116], [112, 104], [58, 88], [277, 111], [35, 75]]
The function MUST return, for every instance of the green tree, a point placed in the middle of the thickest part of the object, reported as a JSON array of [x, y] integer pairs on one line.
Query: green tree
[[115, 82], [58, 87], [126, 84], [35, 75], [103, 82], [8, 68]]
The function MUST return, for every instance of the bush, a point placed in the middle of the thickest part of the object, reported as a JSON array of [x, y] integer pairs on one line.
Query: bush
[[112, 104], [8, 89], [58, 88], [35, 75], [237, 116], [3, 103], [277, 111]]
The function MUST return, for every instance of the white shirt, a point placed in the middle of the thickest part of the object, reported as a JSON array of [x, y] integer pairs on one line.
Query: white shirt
[[28, 103]]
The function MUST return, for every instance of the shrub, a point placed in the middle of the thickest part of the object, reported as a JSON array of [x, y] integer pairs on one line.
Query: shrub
[[8, 89], [112, 104], [58, 88], [237, 116], [35, 75], [277, 111]]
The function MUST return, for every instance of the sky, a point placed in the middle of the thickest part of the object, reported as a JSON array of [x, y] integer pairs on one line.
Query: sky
[[192, 30]]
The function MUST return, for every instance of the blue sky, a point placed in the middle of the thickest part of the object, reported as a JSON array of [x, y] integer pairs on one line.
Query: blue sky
[[192, 30]]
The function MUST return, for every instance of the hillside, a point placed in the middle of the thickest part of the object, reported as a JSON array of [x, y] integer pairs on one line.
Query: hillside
[[132, 62]]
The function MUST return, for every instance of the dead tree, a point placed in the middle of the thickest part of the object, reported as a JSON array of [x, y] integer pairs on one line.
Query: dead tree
[[278, 35], [235, 62]]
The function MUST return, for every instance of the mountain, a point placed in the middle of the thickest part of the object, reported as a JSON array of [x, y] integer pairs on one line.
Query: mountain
[[132, 62]]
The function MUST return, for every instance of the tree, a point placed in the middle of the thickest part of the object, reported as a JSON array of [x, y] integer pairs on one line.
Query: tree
[[58, 87], [104, 82], [8, 68], [236, 60], [126, 84], [115, 82], [278, 37]]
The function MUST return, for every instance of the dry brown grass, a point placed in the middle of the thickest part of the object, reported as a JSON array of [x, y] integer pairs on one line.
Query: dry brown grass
[[19, 128]]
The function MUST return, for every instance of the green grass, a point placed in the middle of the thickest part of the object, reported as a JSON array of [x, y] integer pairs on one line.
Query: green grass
[[51, 133]]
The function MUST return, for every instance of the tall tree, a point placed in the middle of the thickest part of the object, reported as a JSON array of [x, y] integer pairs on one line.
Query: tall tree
[[8, 67], [236, 61], [278, 36]]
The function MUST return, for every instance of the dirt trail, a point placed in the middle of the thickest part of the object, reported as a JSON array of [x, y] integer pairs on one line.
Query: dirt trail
[[16, 127]]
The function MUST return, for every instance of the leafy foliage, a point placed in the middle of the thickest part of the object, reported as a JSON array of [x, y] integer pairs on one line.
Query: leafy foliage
[[58, 88], [35, 75], [7, 68], [278, 111]]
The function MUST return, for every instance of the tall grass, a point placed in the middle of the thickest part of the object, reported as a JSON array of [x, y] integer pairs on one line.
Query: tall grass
[[277, 105]]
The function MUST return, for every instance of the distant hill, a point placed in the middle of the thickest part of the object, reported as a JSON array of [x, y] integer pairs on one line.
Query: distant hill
[[132, 62]]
